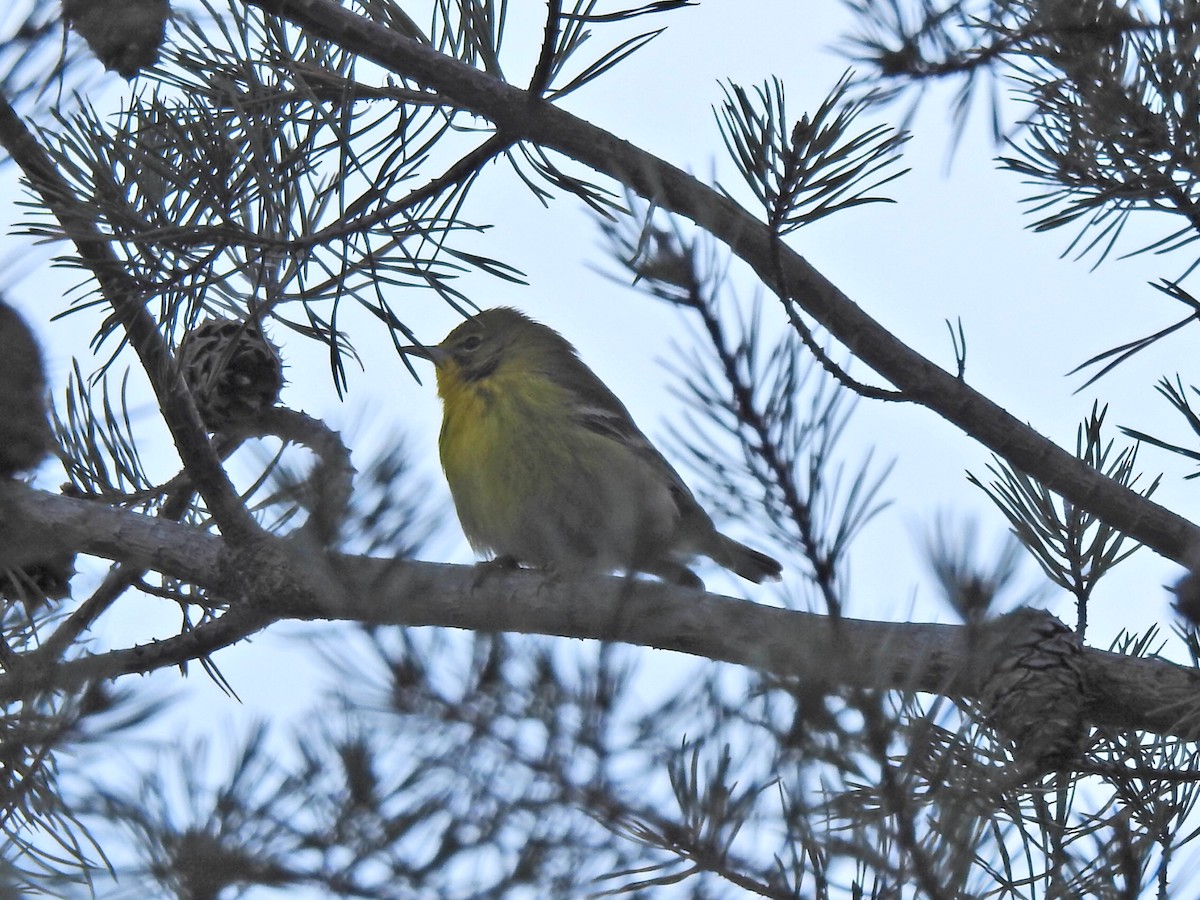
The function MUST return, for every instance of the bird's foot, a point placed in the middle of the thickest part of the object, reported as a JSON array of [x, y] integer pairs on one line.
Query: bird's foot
[[490, 567]]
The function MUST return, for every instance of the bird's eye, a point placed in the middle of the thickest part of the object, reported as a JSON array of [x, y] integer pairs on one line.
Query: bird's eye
[[472, 342]]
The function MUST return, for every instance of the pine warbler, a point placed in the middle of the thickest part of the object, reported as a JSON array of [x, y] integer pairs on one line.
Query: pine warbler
[[547, 468]]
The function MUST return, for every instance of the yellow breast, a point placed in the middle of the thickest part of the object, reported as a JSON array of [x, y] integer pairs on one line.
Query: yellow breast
[[494, 450]]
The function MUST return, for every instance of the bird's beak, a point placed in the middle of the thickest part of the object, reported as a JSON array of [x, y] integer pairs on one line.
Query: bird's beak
[[434, 354]]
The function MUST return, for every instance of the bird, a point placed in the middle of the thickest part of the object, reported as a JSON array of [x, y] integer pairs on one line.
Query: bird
[[547, 468]]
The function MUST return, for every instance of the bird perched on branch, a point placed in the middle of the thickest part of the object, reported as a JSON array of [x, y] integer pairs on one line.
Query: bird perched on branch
[[547, 468]]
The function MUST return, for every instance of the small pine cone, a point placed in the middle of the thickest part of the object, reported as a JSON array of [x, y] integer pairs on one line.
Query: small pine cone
[[25, 435], [1187, 596], [37, 582], [125, 35], [1034, 692], [232, 370]]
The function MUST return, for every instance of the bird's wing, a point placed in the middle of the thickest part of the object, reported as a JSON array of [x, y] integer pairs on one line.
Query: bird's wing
[[600, 411]]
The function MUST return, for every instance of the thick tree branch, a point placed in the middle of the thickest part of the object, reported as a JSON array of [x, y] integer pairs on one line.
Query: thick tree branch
[[287, 583], [516, 115]]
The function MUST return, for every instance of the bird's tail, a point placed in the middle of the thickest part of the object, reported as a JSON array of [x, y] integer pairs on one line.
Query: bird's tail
[[745, 561]]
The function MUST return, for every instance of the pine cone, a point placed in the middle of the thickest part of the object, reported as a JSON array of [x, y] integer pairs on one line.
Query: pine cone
[[25, 435], [232, 370], [1034, 692], [125, 35]]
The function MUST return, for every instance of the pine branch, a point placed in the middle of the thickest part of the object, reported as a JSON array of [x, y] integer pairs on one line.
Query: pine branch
[[285, 583], [125, 299]]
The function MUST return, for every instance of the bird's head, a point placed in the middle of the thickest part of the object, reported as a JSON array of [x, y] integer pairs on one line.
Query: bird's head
[[494, 338]]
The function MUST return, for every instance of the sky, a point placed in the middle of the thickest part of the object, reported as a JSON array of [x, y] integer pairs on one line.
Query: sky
[[955, 244]]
